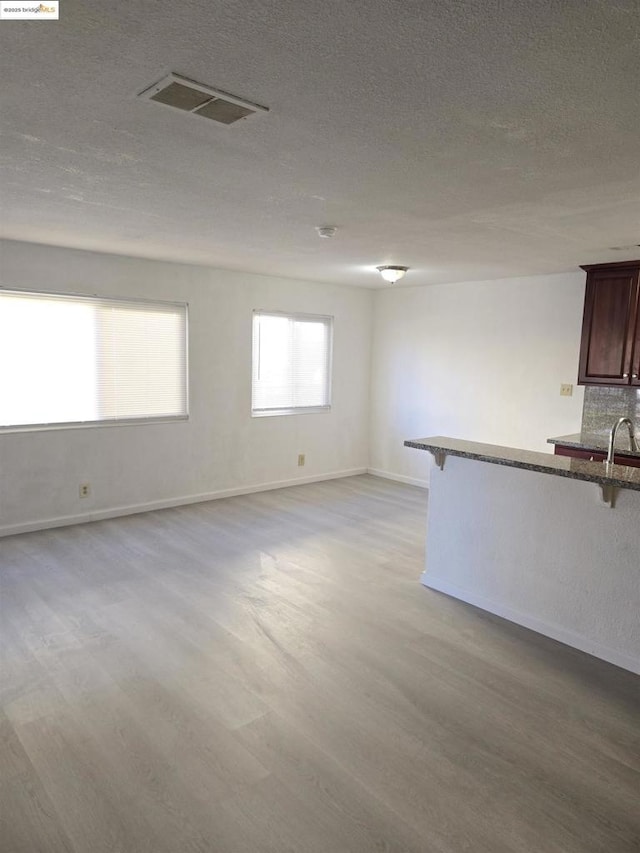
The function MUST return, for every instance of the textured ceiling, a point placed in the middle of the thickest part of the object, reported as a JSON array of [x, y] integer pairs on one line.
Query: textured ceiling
[[467, 140]]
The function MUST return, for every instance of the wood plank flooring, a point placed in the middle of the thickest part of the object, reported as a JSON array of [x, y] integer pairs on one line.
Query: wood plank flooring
[[265, 674]]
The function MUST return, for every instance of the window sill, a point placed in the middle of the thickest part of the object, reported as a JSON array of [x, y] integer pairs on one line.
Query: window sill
[[272, 413], [4, 430]]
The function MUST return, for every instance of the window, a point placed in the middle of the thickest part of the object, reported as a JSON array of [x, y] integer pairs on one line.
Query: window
[[291, 363], [78, 360]]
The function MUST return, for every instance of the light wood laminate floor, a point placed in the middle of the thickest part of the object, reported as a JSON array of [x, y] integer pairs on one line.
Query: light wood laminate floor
[[265, 674]]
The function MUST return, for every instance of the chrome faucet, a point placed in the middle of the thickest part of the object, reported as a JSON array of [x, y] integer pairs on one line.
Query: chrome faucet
[[633, 444]]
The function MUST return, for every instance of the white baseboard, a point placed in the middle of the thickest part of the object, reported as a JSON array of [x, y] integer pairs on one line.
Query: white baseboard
[[399, 478], [547, 629], [149, 506]]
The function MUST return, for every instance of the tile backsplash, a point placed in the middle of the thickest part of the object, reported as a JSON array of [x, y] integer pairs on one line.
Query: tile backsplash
[[603, 405]]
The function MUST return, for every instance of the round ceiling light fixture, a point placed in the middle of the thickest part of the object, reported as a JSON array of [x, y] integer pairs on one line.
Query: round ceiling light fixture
[[326, 231], [392, 273]]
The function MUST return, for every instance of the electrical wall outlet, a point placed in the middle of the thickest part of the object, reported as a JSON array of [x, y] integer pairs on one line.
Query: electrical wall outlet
[[300, 460], [84, 490], [566, 390]]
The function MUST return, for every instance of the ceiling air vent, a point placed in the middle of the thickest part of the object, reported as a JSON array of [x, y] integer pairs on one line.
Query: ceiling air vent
[[200, 100]]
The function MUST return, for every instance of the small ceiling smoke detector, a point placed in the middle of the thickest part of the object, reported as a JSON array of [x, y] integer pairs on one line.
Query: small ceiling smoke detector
[[326, 230], [392, 273], [187, 95]]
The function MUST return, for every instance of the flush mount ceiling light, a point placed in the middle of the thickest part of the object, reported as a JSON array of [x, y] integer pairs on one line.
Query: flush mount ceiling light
[[392, 273], [192, 97], [326, 231]]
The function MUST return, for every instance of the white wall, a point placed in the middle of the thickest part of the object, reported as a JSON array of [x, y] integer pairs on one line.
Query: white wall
[[543, 551], [476, 360], [220, 449]]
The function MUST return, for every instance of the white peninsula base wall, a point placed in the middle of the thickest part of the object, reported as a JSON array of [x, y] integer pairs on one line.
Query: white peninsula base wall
[[540, 550]]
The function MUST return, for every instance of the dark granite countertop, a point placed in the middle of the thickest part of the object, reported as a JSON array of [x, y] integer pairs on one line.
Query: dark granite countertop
[[596, 441], [621, 476]]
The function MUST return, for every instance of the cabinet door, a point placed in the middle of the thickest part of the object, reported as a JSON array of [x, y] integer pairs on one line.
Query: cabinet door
[[635, 358], [578, 453], [608, 331], [596, 455]]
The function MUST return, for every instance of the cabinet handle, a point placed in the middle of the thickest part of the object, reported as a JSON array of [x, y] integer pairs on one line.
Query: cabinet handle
[[625, 375]]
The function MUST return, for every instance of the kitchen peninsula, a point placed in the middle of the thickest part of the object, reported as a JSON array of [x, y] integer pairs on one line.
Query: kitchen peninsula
[[549, 542]]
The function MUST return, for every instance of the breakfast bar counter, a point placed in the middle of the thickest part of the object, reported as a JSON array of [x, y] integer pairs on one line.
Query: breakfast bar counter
[[548, 542], [618, 476]]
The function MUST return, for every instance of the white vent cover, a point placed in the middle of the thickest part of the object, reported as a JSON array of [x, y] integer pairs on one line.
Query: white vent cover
[[187, 95]]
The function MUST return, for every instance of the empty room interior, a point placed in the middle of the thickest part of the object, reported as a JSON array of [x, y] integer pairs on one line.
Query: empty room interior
[[320, 426]]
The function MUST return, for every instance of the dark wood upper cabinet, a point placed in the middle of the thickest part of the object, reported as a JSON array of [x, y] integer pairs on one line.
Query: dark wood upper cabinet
[[610, 347], [635, 358]]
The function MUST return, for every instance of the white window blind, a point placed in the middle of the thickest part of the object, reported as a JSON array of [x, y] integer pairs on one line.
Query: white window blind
[[71, 360], [291, 363]]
